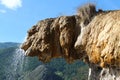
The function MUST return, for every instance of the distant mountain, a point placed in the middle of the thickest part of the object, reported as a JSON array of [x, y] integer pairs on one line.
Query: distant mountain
[[8, 44], [6, 59], [13, 63], [15, 66], [42, 72]]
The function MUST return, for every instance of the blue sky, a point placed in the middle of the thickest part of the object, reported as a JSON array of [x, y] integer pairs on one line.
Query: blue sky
[[18, 16]]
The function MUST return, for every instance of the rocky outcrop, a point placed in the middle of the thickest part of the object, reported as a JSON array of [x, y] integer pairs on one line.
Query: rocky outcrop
[[55, 37], [92, 36], [101, 41], [52, 38]]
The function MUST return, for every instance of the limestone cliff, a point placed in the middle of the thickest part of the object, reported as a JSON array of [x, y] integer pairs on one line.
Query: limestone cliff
[[90, 35]]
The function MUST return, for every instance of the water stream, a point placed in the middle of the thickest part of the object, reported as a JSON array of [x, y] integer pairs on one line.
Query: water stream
[[17, 64]]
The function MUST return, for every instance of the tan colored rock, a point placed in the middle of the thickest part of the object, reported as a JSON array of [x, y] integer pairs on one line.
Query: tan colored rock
[[102, 39], [52, 38], [90, 36], [56, 37]]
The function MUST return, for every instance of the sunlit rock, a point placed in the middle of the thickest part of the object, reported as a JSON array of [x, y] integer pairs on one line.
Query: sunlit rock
[[91, 36]]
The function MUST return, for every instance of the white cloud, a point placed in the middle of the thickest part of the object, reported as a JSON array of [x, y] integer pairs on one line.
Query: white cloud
[[11, 4], [2, 11]]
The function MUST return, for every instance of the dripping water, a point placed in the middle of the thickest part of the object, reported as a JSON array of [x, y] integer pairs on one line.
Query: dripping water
[[20, 65], [17, 65], [18, 60]]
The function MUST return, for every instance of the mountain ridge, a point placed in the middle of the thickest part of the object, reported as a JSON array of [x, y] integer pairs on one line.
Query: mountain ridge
[[8, 44]]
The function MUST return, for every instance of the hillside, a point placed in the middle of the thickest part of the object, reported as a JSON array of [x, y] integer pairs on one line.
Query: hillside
[[26, 68], [42, 72]]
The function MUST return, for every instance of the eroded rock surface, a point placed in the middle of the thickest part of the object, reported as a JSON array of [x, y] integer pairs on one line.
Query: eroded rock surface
[[52, 38], [102, 39], [90, 35]]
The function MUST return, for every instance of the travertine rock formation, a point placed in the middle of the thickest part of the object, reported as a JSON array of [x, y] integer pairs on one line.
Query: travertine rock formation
[[92, 36], [101, 39]]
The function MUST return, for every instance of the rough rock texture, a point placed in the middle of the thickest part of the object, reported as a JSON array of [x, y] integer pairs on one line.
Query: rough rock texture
[[102, 39], [98, 73], [52, 38], [102, 44], [92, 36]]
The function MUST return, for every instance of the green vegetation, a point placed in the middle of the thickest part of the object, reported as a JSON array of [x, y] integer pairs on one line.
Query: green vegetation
[[5, 62], [75, 71], [30, 67]]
